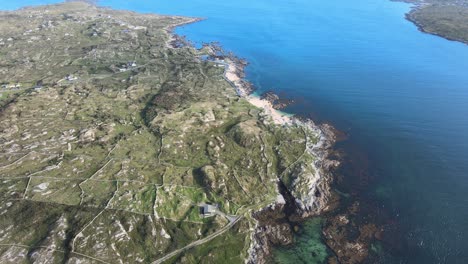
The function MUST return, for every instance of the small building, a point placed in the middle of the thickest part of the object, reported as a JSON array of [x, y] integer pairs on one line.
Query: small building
[[71, 78], [131, 64], [208, 210]]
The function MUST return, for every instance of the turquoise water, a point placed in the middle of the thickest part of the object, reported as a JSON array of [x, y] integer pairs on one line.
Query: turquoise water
[[401, 95]]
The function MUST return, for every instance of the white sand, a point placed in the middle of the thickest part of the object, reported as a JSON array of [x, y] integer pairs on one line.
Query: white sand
[[278, 117]]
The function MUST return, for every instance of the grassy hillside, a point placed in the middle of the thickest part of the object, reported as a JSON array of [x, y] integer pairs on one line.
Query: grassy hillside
[[448, 18], [111, 141]]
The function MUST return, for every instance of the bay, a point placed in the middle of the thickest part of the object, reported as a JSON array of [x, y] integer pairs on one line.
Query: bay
[[400, 94]]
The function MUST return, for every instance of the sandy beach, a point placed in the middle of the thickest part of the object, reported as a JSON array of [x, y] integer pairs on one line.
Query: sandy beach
[[232, 75], [303, 189]]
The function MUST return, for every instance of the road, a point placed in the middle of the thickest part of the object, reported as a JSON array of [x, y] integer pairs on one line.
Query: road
[[199, 242]]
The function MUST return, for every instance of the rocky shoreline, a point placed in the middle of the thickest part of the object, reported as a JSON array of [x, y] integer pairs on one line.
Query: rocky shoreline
[[417, 7], [348, 231], [276, 223], [276, 101], [176, 41], [409, 16]]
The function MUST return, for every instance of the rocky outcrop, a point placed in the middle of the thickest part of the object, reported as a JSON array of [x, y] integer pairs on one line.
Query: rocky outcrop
[[348, 239], [311, 188], [308, 196], [276, 101], [304, 178], [272, 229]]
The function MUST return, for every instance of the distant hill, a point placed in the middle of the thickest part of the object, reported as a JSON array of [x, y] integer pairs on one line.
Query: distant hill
[[448, 18]]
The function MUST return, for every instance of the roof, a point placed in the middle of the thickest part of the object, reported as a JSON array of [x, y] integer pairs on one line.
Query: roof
[[208, 208]]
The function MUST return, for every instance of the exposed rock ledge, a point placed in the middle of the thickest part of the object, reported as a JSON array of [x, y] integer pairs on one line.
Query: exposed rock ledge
[[275, 223], [309, 192]]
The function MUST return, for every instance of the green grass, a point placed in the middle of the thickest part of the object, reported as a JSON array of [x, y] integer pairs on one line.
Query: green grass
[[140, 150], [448, 19]]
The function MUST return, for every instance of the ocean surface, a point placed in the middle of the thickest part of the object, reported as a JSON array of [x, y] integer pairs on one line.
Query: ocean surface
[[400, 95]]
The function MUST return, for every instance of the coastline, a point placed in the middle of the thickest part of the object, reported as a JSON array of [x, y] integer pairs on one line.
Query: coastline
[[172, 37], [349, 229], [312, 199], [277, 223], [233, 73], [410, 18], [418, 6]]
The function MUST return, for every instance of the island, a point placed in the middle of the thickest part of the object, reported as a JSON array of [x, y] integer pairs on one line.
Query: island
[[122, 144]]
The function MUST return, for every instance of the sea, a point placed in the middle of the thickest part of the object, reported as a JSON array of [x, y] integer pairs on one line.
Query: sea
[[399, 95]]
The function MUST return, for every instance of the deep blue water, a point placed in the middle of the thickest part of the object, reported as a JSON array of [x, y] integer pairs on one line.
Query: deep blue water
[[401, 95]]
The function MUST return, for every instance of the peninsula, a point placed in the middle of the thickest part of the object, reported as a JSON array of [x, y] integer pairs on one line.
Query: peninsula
[[445, 18]]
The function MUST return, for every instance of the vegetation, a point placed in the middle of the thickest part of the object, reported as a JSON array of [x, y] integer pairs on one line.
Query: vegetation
[[114, 140], [448, 19]]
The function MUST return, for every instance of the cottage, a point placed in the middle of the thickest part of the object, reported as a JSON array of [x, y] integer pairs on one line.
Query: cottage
[[208, 210]]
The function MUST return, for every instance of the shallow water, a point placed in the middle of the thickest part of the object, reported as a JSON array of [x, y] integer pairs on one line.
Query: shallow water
[[308, 247], [401, 95]]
